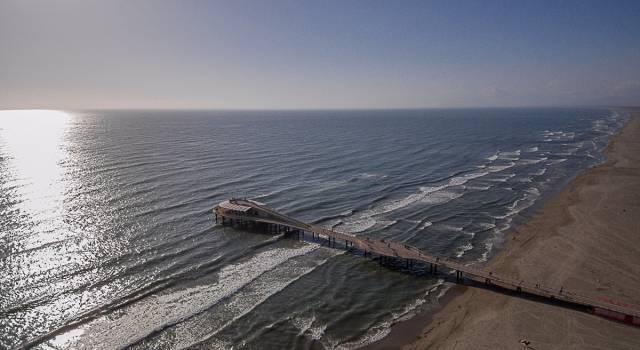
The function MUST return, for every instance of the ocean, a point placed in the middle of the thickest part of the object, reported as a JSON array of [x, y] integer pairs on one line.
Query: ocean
[[107, 239]]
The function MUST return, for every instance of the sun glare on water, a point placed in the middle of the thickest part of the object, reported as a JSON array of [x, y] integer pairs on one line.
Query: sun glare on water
[[32, 140], [32, 149]]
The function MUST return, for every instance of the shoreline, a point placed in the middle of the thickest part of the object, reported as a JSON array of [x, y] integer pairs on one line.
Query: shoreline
[[412, 328], [449, 324]]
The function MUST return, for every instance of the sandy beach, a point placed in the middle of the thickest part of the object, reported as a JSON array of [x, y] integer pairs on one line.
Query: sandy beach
[[586, 239]]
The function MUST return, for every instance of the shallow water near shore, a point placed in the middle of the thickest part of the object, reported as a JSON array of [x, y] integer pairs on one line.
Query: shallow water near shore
[[107, 238]]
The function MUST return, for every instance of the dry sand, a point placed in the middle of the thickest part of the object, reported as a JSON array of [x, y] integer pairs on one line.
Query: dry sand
[[587, 240]]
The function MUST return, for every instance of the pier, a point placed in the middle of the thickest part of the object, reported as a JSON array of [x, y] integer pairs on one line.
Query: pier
[[250, 213]]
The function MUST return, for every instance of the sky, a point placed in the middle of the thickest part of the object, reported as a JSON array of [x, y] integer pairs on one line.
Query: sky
[[88, 54]]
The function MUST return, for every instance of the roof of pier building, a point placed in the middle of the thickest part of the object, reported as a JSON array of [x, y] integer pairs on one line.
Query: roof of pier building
[[227, 205]]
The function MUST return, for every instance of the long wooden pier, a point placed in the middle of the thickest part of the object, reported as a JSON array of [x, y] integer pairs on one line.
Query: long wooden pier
[[248, 212]]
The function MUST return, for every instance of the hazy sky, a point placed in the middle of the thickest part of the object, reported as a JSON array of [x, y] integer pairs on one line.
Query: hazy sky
[[317, 54]]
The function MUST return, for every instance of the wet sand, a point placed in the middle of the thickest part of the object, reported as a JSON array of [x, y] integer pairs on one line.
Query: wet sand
[[586, 239]]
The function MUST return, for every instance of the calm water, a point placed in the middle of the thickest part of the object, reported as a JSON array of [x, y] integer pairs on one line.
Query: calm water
[[107, 238]]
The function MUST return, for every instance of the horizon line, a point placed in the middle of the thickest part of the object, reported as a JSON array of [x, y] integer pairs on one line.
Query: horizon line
[[319, 109]]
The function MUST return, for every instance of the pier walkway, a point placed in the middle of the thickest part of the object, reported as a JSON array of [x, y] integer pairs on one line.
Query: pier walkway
[[248, 212]]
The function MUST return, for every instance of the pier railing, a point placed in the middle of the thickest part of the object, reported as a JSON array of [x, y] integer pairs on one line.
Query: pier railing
[[395, 250]]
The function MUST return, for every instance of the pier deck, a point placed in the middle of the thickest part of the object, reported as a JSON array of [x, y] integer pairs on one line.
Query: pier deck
[[249, 211]]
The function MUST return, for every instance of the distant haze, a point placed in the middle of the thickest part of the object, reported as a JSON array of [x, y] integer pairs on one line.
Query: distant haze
[[317, 54]]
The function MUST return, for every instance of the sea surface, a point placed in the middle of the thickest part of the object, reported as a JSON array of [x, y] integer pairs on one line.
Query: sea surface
[[107, 239]]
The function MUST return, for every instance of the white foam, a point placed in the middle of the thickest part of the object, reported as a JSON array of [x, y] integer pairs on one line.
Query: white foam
[[247, 300], [426, 195], [374, 334], [463, 249], [485, 255], [515, 155], [568, 152], [532, 161], [303, 323], [157, 311], [274, 192], [461, 180], [382, 329], [486, 225], [444, 289], [307, 325], [498, 168], [359, 223], [448, 227], [346, 212], [407, 312], [369, 176], [318, 332], [540, 172], [530, 196], [558, 136], [425, 225], [503, 178], [556, 161], [218, 344], [386, 223], [479, 188], [600, 125], [441, 197]]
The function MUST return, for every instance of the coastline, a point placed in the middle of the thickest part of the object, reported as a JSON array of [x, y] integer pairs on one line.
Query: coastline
[[566, 232]]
